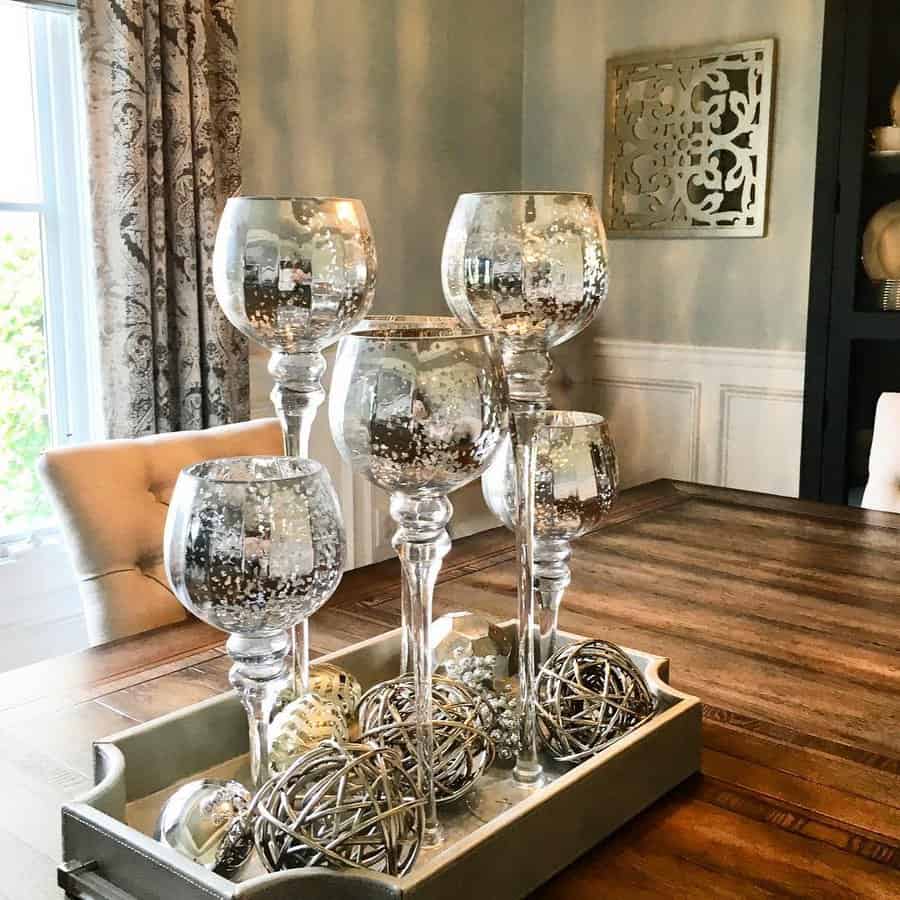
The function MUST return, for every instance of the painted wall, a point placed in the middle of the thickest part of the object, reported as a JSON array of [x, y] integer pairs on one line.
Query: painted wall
[[749, 292], [403, 103], [407, 103]]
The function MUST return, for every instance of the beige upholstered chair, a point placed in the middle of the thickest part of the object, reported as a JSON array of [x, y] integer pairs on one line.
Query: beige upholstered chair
[[883, 487], [112, 498]]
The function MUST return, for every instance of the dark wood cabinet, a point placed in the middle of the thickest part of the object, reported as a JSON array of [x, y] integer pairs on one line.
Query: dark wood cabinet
[[852, 351]]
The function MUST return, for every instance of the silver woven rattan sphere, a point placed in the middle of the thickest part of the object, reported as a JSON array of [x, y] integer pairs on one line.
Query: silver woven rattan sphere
[[463, 750], [394, 701], [340, 806], [588, 695]]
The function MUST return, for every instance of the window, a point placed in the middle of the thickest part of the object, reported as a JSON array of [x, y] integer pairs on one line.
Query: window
[[47, 331], [47, 334]]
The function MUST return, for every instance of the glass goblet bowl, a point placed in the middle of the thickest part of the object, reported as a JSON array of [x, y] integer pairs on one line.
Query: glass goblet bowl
[[576, 476], [418, 410], [528, 266], [294, 272]]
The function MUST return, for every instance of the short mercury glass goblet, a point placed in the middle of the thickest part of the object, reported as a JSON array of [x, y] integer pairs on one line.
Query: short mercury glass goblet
[[294, 274], [576, 482], [531, 268], [371, 323], [420, 412], [254, 545]]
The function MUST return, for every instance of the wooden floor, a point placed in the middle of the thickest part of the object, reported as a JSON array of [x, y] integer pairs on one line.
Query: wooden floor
[[782, 616]]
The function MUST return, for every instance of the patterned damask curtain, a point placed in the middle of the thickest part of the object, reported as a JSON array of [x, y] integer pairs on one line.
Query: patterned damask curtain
[[164, 137]]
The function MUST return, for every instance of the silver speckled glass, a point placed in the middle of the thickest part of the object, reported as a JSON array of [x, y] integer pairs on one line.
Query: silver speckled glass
[[531, 268], [576, 483], [294, 274], [419, 412], [254, 545]]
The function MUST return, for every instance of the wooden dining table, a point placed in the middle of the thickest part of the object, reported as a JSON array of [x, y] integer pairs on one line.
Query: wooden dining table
[[782, 616]]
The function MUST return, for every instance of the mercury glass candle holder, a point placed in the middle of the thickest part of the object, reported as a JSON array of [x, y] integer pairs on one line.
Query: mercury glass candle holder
[[374, 323], [531, 268], [576, 483], [420, 412], [294, 274], [254, 545]]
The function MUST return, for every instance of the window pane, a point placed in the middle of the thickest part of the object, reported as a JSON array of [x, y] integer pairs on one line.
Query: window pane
[[19, 179], [24, 407]]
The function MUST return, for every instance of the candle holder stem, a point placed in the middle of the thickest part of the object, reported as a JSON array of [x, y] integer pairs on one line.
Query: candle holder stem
[[551, 578], [258, 675], [528, 370], [297, 395], [422, 542], [528, 769], [406, 635]]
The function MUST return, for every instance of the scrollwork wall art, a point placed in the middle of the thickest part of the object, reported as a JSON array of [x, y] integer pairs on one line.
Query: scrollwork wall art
[[687, 142]]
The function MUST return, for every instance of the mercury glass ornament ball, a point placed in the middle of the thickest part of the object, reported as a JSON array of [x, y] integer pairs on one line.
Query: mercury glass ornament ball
[[330, 683], [301, 725], [205, 821], [337, 686]]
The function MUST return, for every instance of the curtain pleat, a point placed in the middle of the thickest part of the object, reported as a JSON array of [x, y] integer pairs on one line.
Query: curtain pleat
[[163, 111]]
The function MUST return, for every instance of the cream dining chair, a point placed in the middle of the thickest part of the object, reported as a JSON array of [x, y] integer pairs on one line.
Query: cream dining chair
[[883, 487], [111, 499]]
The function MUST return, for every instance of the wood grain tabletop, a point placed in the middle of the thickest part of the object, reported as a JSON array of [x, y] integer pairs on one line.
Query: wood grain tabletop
[[782, 616]]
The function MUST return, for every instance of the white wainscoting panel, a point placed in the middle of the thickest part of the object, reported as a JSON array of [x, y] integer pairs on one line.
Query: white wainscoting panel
[[718, 415]]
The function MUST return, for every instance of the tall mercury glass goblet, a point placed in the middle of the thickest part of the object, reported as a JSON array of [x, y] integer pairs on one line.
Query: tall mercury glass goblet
[[294, 274], [371, 323], [254, 545], [420, 413], [531, 268], [576, 482]]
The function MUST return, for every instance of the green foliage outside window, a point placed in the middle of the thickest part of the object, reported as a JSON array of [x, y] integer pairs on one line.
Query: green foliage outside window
[[24, 408]]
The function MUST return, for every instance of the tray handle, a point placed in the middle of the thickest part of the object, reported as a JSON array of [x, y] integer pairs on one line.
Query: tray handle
[[81, 881]]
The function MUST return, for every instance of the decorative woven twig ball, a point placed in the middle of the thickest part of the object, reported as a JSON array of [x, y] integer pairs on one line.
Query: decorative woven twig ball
[[462, 748], [588, 695], [393, 701], [341, 806], [301, 725]]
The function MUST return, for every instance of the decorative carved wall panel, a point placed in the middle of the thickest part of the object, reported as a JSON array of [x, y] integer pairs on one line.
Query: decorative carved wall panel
[[687, 142]]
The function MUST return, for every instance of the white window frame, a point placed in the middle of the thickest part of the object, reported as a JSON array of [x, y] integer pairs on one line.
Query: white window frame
[[70, 320]]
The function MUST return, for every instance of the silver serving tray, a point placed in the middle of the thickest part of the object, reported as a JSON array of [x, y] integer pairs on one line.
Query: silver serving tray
[[110, 854]]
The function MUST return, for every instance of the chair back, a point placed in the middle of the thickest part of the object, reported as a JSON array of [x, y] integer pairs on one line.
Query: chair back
[[111, 499], [883, 487]]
